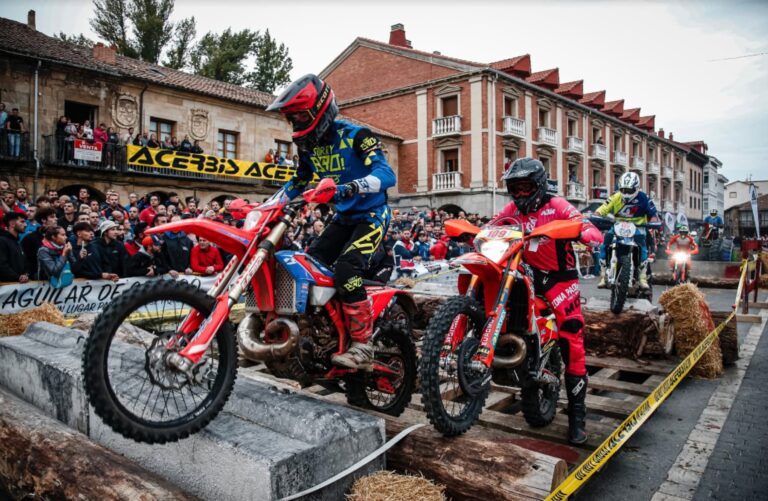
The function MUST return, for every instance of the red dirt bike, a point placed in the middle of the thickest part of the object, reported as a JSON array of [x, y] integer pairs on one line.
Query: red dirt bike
[[681, 263], [177, 365], [496, 330]]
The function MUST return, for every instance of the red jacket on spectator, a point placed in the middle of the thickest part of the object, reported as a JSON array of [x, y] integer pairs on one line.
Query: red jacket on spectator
[[147, 215], [132, 248], [200, 259], [439, 250], [100, 135]]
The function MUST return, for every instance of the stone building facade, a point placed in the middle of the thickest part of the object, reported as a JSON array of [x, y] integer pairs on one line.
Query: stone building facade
[[99, 85], [462, 121]]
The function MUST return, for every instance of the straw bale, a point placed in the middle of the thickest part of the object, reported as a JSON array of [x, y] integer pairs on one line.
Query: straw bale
[[390, 486], [692, 321], [406, 282], [15, 324]]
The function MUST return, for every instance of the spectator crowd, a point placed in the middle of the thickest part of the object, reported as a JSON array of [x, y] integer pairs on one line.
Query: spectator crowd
[[107, 239]]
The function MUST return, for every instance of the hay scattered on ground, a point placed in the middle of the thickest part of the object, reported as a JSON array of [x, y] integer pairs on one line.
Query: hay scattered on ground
[[390, 486], [406, 282], [692, 320], [15, 324]]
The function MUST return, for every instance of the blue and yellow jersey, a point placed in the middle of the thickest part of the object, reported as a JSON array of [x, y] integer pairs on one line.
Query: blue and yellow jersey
[[355, 155], [638, 210]]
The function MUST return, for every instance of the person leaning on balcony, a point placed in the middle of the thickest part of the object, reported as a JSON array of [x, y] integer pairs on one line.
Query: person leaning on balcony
[[270, 156], [70, 132], [196, 148], [152, 141], [60, 135], [185, 145], [14, 127]]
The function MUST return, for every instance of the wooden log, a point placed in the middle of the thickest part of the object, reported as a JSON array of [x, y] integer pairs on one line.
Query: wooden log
[[482, 464], [475, 466], [705, 282], [42, 458], [629, 334]]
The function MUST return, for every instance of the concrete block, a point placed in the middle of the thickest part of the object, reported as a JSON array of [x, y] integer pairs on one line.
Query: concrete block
[[265, 444]]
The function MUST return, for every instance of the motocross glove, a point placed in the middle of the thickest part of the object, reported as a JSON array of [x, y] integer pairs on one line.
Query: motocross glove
[[346, 191]]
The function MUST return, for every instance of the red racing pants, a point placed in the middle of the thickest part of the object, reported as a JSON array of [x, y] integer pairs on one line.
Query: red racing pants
[[561, 290]]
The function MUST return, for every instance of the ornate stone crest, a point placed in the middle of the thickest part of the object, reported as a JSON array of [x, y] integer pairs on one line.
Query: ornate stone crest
[[198, 124], [125, 110]]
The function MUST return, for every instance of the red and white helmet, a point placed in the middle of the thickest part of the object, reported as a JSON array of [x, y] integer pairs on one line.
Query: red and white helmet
[[310, 105]]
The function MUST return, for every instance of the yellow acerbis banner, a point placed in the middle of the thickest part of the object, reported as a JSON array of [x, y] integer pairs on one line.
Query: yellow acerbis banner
[[197, 163], [619, 437]]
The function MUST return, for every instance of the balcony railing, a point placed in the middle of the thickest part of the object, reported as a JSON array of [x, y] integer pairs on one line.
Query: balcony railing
[[446, 126], [446, 181], [653, 168], [547, 135], [512, 126], [638, 163], [666, 172], [667, 206], [600, 152], [619, 157], [15, 146], [679, 176], [575, 145], [115, 162], [576, 191], [599, 192]]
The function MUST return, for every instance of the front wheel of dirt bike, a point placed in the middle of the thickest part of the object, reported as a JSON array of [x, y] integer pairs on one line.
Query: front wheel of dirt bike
[[128, 380], [621, 286], [539, 400], [387, 391], [445, 374]]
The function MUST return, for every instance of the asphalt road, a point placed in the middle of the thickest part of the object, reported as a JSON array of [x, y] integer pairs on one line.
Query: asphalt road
[[739, 466]]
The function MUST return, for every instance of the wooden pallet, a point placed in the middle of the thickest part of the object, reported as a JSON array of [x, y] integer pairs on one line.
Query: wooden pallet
[[616, 387]]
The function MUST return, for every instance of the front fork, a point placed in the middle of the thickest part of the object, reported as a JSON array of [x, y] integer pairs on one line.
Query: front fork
[[191, 354]]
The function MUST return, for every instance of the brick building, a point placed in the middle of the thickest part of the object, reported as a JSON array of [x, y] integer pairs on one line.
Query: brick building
[[101, 86], [461, 121]]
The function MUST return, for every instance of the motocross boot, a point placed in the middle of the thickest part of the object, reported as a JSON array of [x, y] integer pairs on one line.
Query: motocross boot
[[642, 279], [603, 283], [358, 320], [576, 386]]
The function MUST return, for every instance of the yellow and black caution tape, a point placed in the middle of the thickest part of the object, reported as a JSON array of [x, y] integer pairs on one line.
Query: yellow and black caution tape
[[640, 415]]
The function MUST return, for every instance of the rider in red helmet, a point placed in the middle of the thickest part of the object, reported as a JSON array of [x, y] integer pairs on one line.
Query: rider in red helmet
[[352, 156]]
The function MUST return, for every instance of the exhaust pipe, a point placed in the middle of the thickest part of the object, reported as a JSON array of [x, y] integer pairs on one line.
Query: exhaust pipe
[[254, 349], [521, 350]]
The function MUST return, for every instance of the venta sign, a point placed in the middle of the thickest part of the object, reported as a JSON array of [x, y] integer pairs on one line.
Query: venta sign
[[90, 152]]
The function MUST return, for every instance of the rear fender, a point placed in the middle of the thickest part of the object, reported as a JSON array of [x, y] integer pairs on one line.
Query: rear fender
[[381, 297], [232, 240]]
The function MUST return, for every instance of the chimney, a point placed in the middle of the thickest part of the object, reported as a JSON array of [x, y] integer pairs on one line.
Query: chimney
[[661, 133], [31, 20], [671, 137], [397, 36], [105, 54]]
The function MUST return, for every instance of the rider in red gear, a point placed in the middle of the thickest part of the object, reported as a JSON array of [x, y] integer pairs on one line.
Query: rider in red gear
[[682, 242], [554, 273]]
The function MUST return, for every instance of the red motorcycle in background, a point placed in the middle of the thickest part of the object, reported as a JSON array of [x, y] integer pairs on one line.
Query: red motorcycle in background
[[496, 330], [187, 361]]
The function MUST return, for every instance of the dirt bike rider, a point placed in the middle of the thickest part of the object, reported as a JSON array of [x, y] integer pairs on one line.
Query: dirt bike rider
[[554, 273], [352, 156], [632, 204], [713, 221], [682, 242]]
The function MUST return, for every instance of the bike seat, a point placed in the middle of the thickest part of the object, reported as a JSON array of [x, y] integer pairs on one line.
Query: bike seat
[[373, 283]]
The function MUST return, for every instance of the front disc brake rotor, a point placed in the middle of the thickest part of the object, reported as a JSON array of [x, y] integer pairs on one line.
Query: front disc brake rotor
[[471, 380]]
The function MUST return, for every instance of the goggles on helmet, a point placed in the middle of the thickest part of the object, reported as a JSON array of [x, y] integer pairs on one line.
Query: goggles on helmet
[[627, 191], [299, 119], [521, 188]]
